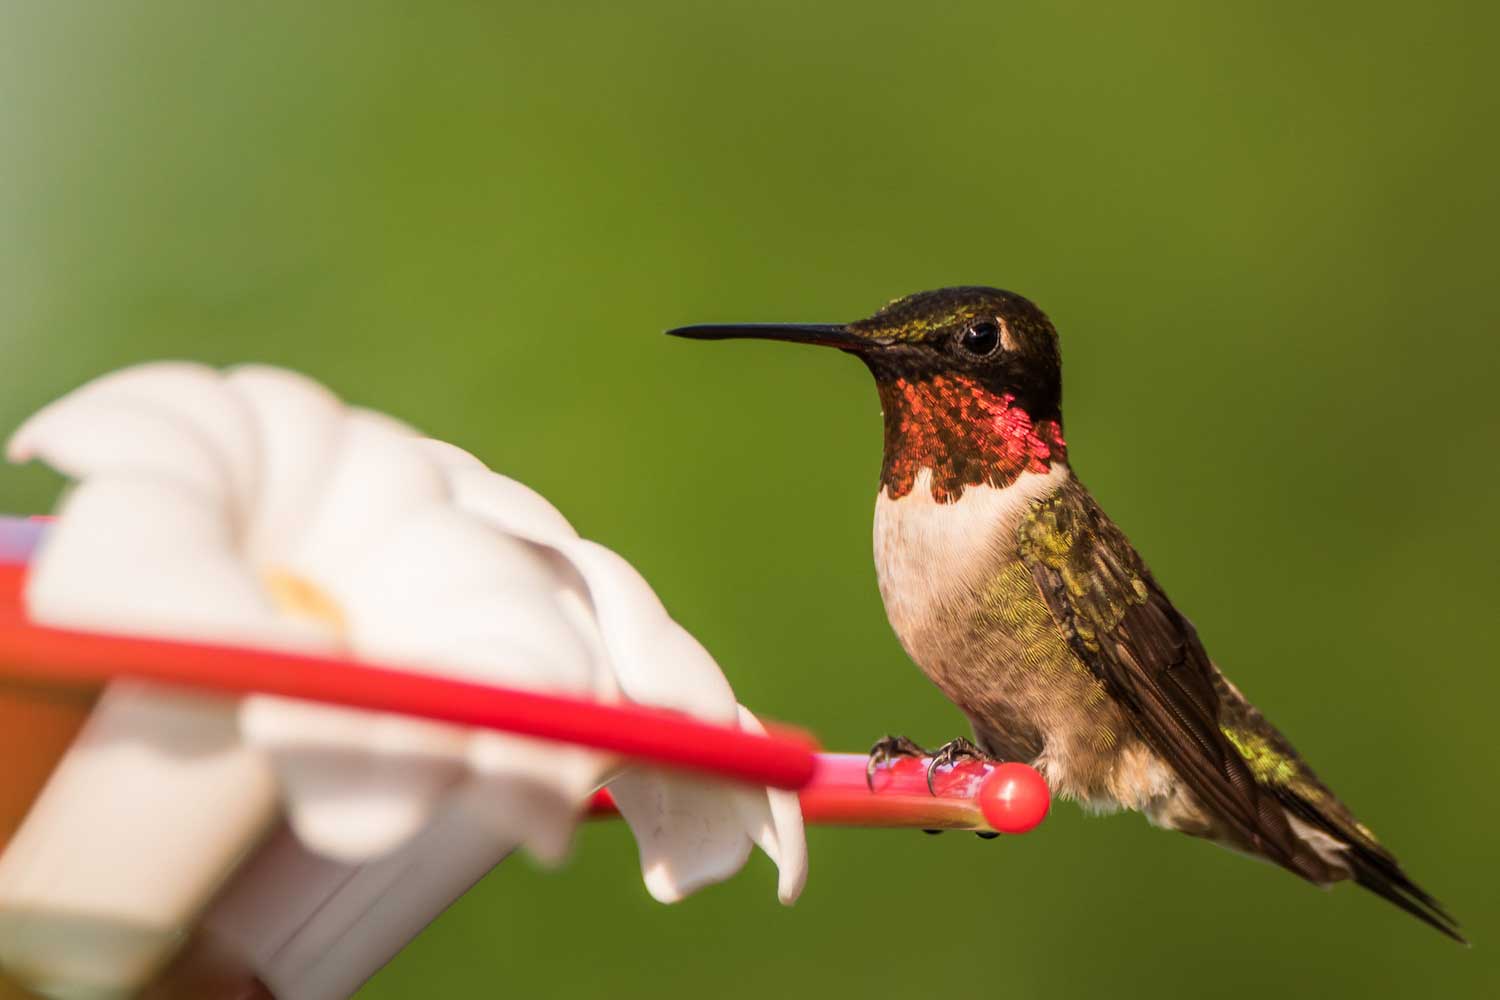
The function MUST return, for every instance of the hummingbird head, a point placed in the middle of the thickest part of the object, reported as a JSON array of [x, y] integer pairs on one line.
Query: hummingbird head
[[970, 382]]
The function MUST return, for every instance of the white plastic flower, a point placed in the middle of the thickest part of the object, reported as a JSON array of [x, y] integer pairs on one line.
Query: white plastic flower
[[252, 507]]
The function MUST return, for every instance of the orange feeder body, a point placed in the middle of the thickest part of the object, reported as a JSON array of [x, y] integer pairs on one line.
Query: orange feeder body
[[38, 720]]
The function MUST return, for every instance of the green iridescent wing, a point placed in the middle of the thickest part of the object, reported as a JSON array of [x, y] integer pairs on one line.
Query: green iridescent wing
[[1121, 625]]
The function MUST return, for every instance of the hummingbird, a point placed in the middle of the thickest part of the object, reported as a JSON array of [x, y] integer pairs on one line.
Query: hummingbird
[[1031, 611]]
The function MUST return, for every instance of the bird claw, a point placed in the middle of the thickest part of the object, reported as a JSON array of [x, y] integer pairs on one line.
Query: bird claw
[[889, 748], [951, 753]]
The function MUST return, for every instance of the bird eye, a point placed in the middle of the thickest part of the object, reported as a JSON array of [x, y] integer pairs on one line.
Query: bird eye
[[982, 338]]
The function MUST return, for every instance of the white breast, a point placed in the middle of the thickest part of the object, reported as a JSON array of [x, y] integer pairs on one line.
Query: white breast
[[925, 551]]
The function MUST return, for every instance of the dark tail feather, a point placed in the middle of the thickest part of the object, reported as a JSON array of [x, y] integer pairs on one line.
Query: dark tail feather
[[1384, 878], [1370, 864]]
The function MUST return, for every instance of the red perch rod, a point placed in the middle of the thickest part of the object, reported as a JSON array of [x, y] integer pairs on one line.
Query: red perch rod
[[982, 796], [34, 653]]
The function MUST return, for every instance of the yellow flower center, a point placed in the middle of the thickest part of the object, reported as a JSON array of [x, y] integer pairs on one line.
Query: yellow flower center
[[298, 597]]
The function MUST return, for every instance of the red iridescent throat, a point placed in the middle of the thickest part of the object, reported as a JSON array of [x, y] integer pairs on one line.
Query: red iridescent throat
[[966, 434]]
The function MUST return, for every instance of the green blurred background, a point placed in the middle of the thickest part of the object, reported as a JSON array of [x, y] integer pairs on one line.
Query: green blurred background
[[1267, 236]]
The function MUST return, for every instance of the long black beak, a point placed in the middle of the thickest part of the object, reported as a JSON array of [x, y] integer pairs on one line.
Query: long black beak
[[825, 334]]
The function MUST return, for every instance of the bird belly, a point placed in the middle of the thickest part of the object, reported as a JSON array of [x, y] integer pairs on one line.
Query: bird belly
[[968, 612]]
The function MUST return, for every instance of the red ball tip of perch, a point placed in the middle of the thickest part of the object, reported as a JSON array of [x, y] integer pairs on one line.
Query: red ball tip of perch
[[1014, 798]]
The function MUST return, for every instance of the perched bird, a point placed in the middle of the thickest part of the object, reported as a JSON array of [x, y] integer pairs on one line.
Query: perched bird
[[1032, 612]]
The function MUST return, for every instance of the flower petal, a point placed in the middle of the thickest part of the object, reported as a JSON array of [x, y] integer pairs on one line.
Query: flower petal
[[451, 594], [377, 478], [297, 424], [356, 784], [441, 576], [689, 831], [116, 421], [501, 501], [773, 818], [531, 792], [145, 556], [441, 593], [694, 832], [656, 661], [90, 436]]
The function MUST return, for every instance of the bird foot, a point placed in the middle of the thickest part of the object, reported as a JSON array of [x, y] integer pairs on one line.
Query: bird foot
[[887, 749], [951, 753]]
